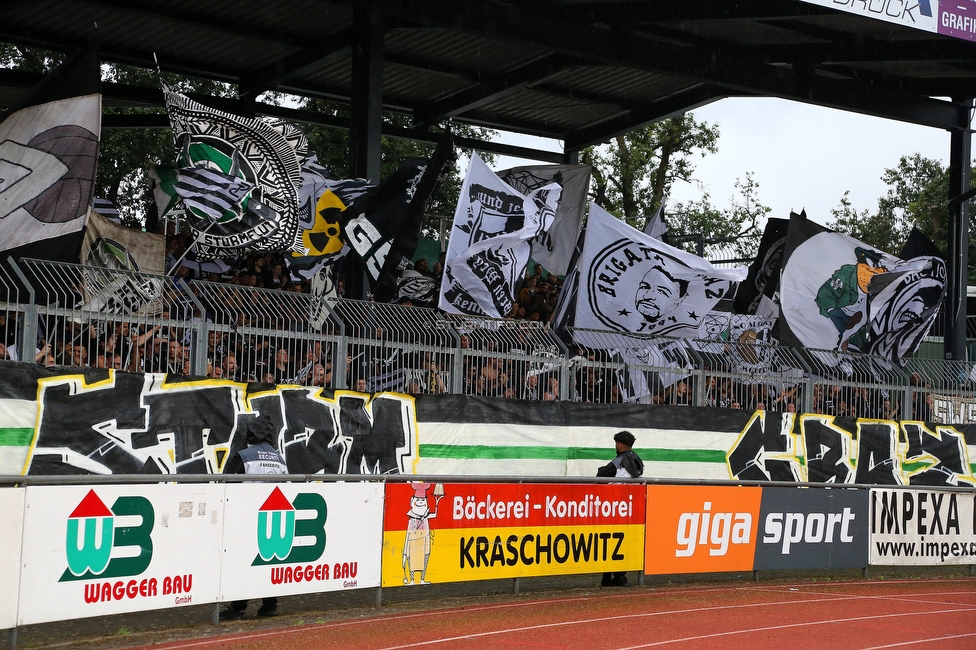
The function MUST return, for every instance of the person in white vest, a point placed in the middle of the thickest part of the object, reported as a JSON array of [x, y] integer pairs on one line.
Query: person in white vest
[[259, 457]]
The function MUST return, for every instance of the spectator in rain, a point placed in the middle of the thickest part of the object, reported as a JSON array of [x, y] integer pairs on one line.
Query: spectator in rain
[[530, 390], [921, 399], [552, 390], [282, 370], [229, 368]]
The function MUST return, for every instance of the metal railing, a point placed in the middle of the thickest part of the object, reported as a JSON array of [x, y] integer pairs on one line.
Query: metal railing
[[58, 314]]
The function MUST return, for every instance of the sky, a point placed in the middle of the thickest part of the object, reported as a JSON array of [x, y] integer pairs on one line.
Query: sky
[[801, 156]]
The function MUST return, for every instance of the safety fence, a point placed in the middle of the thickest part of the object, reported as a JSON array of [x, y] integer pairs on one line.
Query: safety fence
[[59, 314], [100, 547]]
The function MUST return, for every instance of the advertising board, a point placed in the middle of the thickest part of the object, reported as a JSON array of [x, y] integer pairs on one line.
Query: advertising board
[[11, 536], [699, 529], [812, 529], [111, 549], [956, 18], [298, 538], [922, 527], [452, 532]]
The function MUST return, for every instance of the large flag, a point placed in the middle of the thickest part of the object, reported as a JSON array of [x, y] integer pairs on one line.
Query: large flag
[[554, 248], [630, 282], [838, 293], [918, 245], [118, 248], [383, 225], [490, 241], [109, 245], [321, 199], [237, 178], [902, 305], [757, 293], [48, 159]]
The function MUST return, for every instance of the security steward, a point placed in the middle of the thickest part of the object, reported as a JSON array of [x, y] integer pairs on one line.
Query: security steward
[[259, 457], [627, 464]]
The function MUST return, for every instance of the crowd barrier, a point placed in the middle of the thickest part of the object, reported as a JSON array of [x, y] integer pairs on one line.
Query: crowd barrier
[[67, 315], [86, 548]]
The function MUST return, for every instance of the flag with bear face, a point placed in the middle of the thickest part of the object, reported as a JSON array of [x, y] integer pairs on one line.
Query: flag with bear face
[[490, 241], [631, 282]]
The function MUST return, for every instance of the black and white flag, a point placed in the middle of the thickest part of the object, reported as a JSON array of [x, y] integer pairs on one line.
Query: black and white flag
[[554, 248], [656, 225], [838, 293], [902, 305], [757, 294], [490, 241], [264, 154], [631, 282], [48, 159]]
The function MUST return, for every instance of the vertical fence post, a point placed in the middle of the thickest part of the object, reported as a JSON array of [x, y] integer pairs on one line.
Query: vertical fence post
[[198, 348], [808, 385], [12, 638], [27, 341]]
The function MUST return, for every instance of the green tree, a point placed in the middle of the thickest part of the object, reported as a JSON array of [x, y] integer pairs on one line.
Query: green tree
[[918, 191], [728, 233], [633, 173]]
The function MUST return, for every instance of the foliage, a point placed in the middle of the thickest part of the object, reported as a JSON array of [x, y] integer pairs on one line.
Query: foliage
[[332, 147], [735, 230], [918, 190], [634, 172]]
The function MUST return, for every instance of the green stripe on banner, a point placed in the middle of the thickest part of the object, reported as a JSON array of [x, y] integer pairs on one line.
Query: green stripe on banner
[[16, 437], [540, 452]]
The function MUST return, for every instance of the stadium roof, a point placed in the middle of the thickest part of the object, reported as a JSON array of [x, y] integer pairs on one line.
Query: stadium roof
[[576, 70]]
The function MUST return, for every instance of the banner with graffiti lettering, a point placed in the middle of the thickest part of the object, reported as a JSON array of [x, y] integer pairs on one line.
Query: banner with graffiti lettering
[[104, 422], [300, 538], [110, 549], [108, 422], [451, 532]]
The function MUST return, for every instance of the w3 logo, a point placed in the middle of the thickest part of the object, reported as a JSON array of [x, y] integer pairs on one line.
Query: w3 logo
[[278, 528], [91, 534]]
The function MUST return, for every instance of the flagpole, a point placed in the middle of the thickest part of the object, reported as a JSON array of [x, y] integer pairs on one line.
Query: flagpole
[[172, 271]]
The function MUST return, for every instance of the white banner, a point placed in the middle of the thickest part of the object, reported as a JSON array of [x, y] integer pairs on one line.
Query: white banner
[[298, 538], [925, 527], [630, 282], [99, 550], [490, 242], [11, 536]]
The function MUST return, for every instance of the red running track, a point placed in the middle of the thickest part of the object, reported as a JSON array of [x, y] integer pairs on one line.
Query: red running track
[[865, 615]]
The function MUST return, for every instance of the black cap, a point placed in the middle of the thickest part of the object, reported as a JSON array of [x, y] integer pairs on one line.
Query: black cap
[[262, 429], [625, 438]]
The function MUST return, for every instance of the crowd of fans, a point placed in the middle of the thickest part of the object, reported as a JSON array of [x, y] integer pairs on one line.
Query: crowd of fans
[[384, 364]]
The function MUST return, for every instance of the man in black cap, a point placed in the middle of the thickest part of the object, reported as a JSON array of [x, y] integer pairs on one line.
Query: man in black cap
[[627, 464], [260, 457]]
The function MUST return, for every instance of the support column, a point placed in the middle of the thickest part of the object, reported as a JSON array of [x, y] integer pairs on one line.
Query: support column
[[366, 127], [571, 157], [960, 161], [366, 119]]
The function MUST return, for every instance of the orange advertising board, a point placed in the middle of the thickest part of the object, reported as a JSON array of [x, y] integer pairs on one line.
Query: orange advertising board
[[475, 531], [699, 529]]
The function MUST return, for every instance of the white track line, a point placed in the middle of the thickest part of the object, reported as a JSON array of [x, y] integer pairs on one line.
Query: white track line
[[948, 637], [790, 626]]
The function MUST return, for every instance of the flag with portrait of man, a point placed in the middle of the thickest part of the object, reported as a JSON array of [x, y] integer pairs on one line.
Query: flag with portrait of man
[[631, 282]]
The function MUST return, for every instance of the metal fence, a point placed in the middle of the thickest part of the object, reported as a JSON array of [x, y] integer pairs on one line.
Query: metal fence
[[57, 314]]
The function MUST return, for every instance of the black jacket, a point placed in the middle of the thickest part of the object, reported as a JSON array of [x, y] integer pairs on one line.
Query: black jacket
[[628, 460]]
